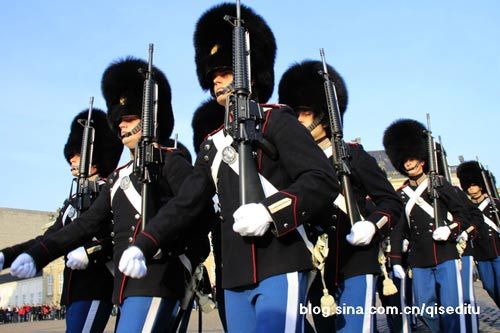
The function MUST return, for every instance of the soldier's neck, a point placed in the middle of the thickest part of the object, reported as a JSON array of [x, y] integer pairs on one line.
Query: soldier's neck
[[324, 142], [417, 180]]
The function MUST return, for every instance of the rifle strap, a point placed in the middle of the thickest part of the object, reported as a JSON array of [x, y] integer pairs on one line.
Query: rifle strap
[[487, 220]]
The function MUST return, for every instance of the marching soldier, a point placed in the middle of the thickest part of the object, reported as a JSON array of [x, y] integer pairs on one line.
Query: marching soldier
[[464, 244], [207, 118], [352, 266], [148, 304], [264, 260], [487, 239], [88, 283], [432, 251]]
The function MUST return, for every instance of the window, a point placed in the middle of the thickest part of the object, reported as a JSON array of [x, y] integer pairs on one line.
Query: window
[[32, 298], [61, 282], [50, 285], [39, 301]]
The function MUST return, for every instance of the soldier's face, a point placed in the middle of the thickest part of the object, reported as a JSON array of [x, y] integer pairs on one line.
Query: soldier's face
[[74, 162], [306, 118], [414, 167], [126, 125], [222, 79], [474, 191]]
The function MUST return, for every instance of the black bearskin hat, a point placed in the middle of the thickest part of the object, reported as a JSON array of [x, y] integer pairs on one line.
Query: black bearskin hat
[[122, 86], [181, 148], [302, 86], [405, 139], [107, 147], [214, 48], [469, 173], [208, 117]]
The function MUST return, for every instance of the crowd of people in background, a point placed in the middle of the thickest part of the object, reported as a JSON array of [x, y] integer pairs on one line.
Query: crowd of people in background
[[27, 312]]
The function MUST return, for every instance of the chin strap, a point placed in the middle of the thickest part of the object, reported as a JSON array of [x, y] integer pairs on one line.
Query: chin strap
[[134, 130], [316, 122]]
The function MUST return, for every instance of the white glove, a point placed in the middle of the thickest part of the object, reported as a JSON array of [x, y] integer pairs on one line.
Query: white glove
[[361, 233], [78, 259], [464, 236], [132, 263], [406, 244], [398, 272], [251, 220], [23, 267], [2, 260], [441, 233]]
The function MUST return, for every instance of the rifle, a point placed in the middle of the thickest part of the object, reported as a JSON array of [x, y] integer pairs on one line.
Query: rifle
[[84, 191], [434, 180], [246, 113], [340, 154], [493, 184], [147, 155], [489, 191], [444, 162]]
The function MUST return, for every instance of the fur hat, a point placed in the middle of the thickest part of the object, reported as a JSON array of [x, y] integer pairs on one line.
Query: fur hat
[[107, 147], [469, 173], [122, 86], [213, 43], [181, 148], [405, 139], [302, 86], [208, 117]]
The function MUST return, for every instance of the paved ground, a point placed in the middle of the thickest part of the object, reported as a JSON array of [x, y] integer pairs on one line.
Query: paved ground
[[489, 320]]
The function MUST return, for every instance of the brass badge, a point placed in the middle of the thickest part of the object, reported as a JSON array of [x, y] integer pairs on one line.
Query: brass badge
[[125, 183], [229, 155]]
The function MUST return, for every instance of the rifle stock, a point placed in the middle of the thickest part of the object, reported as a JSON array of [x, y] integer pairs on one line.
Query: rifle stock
[[434, 180], [246, 114], [83, 192], [340, 153], [147, 155]]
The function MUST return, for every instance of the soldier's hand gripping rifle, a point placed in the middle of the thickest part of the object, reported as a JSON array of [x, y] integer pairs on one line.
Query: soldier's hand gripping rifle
[[147, 155], [84, 189], [243, 116], [489, 191], [434, 180], [340, 154]]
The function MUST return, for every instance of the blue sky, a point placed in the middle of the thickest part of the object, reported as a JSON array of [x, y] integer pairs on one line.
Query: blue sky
[[398, 58]]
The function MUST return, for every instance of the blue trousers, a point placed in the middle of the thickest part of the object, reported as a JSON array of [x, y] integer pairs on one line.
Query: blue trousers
[[357, 292], [87, 316], [272, 305], [489, 273], [471, 320], [146, 314], [439, 285]]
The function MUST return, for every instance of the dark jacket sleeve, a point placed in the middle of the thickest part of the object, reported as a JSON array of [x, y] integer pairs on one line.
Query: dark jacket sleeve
[[74, 234], [181, 212], [449, 197], [314, 184], [396, 237], [379, 189]]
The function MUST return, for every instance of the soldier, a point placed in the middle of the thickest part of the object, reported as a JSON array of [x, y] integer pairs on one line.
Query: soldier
[[148, 304], [88, 283], [464, 243], [352, 265], [207, 118], [487, 239], [264, 260], [432, 251]]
